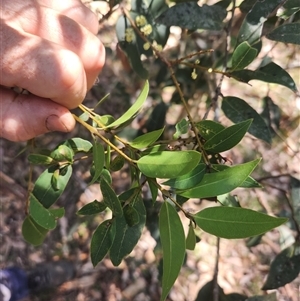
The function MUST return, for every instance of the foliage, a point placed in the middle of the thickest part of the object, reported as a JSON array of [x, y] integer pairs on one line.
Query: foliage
[[190, 161]]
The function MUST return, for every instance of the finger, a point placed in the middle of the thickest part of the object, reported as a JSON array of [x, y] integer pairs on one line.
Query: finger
[[64, 31], [43, 68], [75, 10], [23, 117]]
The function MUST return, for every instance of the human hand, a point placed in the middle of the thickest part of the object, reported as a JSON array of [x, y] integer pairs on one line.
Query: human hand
[[49, 48]]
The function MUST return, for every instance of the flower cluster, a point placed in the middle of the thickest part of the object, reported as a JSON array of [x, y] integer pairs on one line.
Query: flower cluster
[[129, 35]]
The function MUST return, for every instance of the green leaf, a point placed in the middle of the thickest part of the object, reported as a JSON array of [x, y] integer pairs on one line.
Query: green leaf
[[182, 128], [63, 153], [207, 292], [173, 245], [208, 128], [131, 215], [102, 240], [117, 163], [251, 28], [92, 208], [133, 110], [43, 189], [153, 188], [127, 237], [228, 200], [191, 16], [237, 110], [227, 138], [40, 159], [146, 139], [79, 145], [168, 164], [110, 198], [286, 33], [271, 114], [103, 120], [189, 180], [270, 73], [191, 238], [243, 55], [40, 214], [248, 183], [57, 212], [289, 8], [55, 180], [98, 159], [284, 268], [32, 232], [235, 222], [214, 184]]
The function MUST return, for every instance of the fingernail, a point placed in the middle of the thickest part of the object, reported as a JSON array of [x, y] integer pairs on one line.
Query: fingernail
[[54, 123]]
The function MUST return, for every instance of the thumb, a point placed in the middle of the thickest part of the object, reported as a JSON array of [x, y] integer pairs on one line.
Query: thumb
[[25, 116]]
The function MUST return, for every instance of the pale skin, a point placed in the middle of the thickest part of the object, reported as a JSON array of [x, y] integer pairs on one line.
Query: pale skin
[[50, 49]]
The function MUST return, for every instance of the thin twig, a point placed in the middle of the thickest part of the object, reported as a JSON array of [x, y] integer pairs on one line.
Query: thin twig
[[177, 85], [216, 272]]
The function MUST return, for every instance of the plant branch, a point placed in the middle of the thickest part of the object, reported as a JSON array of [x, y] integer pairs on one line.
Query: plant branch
[[95, 132], [216, 272], [177, 85]]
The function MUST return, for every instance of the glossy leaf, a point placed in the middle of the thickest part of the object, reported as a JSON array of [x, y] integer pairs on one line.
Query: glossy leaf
[[228, 200], [191, 16], [270, 73], [117, 163], [110, 199], [55, 180], [43, 190], [40, 159], [182, 128], [146, 139], [63, 153], [98, 160], [214, 184], [40, 214], [248, 183], [127, 237], [189, 180], [284, 268], [235, 222], [237, 110], [208, 128], [33, 232], [286, 33], [251, 28], [207, 292], [243, 55], [131, 215], [153, 188], [191, 238], [102, 240], [92, 208], [57, 212], [79, 145], [133, 110], [168, 164], [271, 114], [227, 138], [173, 246], [289, 8]]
